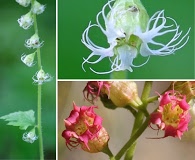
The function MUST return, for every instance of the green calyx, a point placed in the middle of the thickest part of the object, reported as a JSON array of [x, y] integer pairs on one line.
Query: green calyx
[[129, 14]]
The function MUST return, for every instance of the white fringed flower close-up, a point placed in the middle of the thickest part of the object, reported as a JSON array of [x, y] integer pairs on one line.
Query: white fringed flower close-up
[[128, 35]]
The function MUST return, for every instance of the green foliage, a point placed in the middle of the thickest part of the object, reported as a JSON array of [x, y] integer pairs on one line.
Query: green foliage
[[22, 119]]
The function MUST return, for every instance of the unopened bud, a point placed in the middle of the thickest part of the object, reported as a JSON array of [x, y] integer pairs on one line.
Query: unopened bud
[[123, 93]]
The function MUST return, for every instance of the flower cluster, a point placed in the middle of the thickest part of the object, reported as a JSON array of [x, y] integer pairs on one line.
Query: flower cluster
[[172, 115], [121, 93], [84, 127], [34, 42], [129, 31]]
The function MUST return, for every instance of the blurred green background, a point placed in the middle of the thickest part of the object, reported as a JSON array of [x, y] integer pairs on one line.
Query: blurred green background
[[18, 93], [74, 17]]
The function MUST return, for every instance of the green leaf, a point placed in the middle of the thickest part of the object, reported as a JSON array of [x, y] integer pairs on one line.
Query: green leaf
[[23, 119]]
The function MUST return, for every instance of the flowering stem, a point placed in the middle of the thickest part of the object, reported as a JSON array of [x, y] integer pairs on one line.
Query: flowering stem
[[146, 91], [138, 121], [39, 126], [139, 126], [119, 75], [132, 139], [133, 111]]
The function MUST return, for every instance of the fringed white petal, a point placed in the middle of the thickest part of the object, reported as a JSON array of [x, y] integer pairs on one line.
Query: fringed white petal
[[159, 28], [96, 50], [111, 31], [124, 59]]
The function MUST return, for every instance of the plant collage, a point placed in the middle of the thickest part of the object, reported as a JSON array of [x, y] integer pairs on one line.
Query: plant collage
[[97, 80]]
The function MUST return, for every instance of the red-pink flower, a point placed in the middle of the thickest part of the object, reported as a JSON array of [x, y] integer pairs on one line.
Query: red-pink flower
[[84, 127], [93, 89], [172, 115]]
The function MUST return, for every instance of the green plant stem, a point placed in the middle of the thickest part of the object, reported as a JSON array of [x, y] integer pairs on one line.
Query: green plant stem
[[152, 99], [132, 139], [139, 126], [119, 75], [146, 91], [107, 151], [133, 111], [39, 125], [137, 123]]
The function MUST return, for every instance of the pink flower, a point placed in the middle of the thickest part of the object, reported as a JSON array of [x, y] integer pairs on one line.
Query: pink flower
[[84, 127], [172, 115], [93, 89]]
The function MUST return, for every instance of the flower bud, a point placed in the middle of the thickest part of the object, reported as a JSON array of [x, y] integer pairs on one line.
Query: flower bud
[[37, 8], [24, 3], [40, 77], [26, 21], [123, 93], [33, 42], [84, 127], [172, 115], [28, 59]]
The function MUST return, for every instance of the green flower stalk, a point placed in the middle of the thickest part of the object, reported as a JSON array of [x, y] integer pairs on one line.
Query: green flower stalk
[[129, 31]]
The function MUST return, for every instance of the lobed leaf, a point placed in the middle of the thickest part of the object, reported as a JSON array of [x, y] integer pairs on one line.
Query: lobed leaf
[[22, 119]]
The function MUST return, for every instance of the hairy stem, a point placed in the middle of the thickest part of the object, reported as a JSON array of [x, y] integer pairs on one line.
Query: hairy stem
[[39, 126]]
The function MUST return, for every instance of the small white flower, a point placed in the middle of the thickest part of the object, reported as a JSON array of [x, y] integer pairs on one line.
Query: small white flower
[[33, 42], [24, 3], [29, 137], [26, 21], [37, 8], [129, 32], [28, 59], [40, 77]]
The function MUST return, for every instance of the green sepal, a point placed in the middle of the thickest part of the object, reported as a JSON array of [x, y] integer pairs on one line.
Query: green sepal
[[22, 119]]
